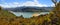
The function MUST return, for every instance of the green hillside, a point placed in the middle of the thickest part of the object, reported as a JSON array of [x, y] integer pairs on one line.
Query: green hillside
[[7, 18]]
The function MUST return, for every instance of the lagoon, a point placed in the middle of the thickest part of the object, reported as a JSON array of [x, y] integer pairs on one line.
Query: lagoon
[[28, 14]]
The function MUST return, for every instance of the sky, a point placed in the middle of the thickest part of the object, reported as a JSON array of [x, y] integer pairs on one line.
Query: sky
[[19, 3]]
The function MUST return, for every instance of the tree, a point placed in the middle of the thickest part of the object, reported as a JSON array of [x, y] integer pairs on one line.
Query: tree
[[57, 9], [55, 2], [0, 8]]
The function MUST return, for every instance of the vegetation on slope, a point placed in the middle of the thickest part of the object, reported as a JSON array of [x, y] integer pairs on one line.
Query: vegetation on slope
[[7, 18], [5, 13]]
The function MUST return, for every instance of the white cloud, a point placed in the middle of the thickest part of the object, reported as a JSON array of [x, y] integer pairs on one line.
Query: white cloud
[[8, 5], [4, 5], [28, 3], [52, 5]]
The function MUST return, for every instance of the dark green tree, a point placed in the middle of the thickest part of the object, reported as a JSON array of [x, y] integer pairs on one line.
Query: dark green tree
[[0, 7]]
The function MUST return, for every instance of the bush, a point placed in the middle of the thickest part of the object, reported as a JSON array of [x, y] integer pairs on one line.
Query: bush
[[0, 7]]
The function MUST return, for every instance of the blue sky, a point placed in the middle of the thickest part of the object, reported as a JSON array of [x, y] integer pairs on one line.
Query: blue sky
[[17, 3]]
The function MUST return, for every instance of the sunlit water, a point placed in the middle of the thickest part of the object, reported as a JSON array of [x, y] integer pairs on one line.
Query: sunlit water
[[28, 14]]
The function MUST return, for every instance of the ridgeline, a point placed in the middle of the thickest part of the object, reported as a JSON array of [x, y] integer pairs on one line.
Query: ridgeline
[[7, 18]]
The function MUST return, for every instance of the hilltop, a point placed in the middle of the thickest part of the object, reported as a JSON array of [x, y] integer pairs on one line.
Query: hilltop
[[30, 9]]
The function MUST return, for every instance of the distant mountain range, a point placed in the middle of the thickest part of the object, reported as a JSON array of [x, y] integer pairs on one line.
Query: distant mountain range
[[29, 9]]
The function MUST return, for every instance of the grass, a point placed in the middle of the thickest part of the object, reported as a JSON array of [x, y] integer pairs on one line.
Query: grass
[[7, 18]]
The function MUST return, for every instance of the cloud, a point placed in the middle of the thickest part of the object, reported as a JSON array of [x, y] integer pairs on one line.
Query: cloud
[[8, 5], [4, 5], [35, 3], [28, 3], [52, 5]]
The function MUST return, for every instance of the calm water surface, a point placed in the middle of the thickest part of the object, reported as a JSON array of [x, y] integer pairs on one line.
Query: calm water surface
[[28, 14]]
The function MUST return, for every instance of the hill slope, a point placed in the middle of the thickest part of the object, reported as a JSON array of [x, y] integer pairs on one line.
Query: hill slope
[[5, 13]]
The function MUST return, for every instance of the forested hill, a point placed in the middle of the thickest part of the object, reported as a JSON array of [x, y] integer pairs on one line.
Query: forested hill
[[29, 9]]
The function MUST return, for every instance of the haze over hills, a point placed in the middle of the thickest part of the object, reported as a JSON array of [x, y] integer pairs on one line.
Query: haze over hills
[[29, 9]]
